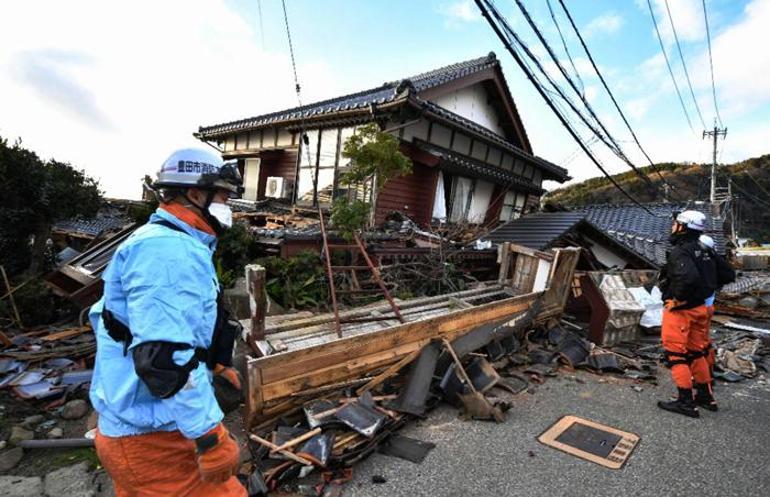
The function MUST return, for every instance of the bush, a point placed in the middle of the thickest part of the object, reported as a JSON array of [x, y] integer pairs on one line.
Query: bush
[[236, 248], [297, 282]]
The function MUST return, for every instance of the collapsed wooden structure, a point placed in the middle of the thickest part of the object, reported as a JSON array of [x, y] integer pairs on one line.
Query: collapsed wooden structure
[[303, 358]]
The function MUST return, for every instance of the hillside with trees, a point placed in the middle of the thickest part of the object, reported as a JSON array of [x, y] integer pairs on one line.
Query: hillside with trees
[[751, 187]]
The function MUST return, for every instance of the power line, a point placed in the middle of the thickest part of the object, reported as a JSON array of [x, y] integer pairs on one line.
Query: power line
[[564, 44], [615, 147], [488, 10], [261, 25], [612, 96], [668, 64], [711, 64], [684, 65]]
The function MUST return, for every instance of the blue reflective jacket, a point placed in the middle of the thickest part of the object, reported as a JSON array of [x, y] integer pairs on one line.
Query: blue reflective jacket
[[161, 284]]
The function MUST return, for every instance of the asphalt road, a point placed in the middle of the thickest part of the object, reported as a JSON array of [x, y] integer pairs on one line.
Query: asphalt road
[[725, 453]]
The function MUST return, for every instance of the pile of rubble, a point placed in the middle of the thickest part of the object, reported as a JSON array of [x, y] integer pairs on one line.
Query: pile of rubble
[[479, 372]]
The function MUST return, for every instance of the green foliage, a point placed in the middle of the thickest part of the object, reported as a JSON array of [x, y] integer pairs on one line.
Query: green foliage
[[374, 152], [236, 248], [297, 282], [35, 194], [349, 216], [141, 213], [38, 305]]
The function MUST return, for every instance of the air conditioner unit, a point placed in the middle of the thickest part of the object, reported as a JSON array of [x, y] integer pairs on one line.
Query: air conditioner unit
[[275, 187]]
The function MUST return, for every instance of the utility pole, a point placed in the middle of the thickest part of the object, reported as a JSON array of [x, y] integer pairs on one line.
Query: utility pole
[[715, 134]]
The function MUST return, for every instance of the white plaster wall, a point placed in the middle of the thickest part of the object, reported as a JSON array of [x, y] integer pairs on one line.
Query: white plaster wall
[[471, 103], [606, 256]]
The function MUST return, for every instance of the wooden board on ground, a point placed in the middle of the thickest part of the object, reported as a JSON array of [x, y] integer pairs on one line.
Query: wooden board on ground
[[275, 378], [598, 443]]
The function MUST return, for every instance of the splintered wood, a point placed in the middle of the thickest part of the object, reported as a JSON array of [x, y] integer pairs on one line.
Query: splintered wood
[[304, 355]]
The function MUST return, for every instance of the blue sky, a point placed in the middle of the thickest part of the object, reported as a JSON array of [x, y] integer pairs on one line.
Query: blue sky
[[114, 86]]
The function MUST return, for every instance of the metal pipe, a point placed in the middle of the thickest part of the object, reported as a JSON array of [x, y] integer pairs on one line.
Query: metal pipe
[[61, 443]]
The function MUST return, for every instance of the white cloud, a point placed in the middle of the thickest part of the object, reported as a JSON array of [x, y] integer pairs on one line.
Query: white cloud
[[607, 23], [741, 63], [460, 11], [687, 16], [114, 87]]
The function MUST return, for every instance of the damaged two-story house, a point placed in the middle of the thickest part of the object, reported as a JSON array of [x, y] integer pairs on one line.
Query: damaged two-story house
[[472, 160]]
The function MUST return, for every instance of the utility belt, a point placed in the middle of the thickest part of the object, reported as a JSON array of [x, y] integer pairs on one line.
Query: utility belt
[[156, 358]]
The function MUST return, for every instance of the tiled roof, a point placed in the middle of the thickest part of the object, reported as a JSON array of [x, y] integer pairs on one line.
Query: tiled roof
[[647, 234], [631, 226], [536, 231], [386, 93]]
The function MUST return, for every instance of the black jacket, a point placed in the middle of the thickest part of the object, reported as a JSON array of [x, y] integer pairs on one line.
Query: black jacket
[[690, 274]]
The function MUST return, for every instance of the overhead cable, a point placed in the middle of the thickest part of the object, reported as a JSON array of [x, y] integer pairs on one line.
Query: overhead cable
[[684, 65], [668, 64], [616, 147], [612, 96], [711, 64], [489, 11], [564, 44]]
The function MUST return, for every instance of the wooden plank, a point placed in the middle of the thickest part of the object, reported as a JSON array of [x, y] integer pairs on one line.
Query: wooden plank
[[61, 335], [255, 278], [390, 371], [285, 364], [329, 317], [311, 374], [254, 402], [504, 258]]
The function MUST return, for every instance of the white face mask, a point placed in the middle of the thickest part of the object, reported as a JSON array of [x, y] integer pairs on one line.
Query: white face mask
[[222, 213]]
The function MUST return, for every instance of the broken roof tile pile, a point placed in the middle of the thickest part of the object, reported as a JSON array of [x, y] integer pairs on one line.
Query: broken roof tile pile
[[112, 216]]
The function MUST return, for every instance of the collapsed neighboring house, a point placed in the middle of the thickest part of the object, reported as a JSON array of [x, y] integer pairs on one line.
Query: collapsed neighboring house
[[613, 236], [472, 160]]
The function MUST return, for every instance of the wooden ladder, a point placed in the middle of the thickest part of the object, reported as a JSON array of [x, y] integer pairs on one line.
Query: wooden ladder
[[330, 270]]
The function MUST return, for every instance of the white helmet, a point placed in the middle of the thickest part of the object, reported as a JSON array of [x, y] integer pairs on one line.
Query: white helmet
[[692, 219], [199, 168], [707, 241]]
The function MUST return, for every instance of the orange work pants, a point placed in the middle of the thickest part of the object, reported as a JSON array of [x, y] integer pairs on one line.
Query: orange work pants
[[711, 358], [160, 464], [684, 333]]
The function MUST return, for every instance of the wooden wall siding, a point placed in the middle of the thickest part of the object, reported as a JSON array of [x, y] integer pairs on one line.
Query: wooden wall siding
[[281, 163], [412, 195], [493, 212]]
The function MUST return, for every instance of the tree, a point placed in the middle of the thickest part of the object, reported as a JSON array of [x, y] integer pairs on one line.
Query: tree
[[374, 155], [35, 194]]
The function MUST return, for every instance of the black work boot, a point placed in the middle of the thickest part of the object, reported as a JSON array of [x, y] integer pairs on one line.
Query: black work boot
[[704, 397], [684, 404]]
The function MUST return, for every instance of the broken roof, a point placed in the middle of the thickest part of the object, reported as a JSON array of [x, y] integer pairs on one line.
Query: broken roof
[[549, 229], [644, 234]]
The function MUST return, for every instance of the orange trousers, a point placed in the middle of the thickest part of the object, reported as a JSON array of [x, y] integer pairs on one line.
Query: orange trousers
[[684, 332], [711, 358], [160, 464]]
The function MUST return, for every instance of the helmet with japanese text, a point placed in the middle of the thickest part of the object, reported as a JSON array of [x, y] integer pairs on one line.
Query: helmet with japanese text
[[199, 168]]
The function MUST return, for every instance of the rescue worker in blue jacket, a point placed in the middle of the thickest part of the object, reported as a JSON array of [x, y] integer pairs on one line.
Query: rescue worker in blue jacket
[[160, 342]]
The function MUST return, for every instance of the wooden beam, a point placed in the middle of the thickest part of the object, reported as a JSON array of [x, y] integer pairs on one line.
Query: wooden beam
[[255, 278]]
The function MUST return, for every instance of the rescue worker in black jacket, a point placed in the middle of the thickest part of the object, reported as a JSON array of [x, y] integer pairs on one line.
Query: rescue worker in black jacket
[[687, 279]]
